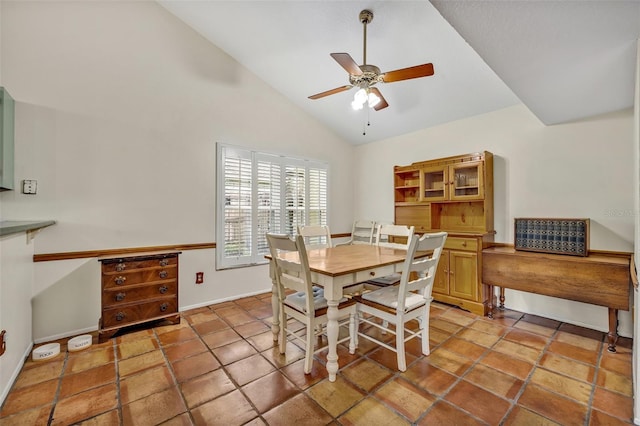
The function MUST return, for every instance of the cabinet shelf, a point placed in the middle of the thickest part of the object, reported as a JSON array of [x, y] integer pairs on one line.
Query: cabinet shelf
[[411, 203]]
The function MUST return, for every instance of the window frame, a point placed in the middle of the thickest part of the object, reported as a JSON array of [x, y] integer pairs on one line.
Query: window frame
[[288, 166]]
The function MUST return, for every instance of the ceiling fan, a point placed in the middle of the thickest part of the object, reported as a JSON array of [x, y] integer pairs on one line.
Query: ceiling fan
[[365, 76]]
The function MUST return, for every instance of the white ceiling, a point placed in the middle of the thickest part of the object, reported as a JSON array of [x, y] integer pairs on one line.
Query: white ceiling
[[565, 60]]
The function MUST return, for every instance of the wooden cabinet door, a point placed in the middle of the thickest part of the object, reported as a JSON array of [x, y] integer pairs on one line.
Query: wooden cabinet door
[[441, 282], [463, 275]]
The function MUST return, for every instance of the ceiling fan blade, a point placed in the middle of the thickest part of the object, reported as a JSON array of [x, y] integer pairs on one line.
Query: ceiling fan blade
[[346, 61], [423, 70], [330, 92], [383, 103]]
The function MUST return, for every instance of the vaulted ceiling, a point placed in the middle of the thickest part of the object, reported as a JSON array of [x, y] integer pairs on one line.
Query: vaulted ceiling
[[565, 60]]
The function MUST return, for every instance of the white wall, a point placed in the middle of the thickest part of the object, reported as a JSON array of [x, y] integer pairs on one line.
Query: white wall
[[118, 108], [16, 279], [582, 169]]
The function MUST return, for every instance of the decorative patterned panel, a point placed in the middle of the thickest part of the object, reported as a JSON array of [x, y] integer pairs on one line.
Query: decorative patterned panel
[[557, 236]]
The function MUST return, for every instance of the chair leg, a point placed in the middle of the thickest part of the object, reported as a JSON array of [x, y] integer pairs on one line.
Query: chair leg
[[402, 361], [353, 333], [308, 358], [424, 331], [283, 330]]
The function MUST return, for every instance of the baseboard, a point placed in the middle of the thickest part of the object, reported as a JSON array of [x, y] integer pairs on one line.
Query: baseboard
[[14, 375], [226, 299], [66, 334]]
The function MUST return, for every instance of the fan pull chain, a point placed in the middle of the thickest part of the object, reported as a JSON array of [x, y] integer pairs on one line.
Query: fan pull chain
[[368, 123]]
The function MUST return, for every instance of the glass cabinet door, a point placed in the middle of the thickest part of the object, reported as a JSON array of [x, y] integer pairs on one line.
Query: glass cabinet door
[[434, 184], [465, 181]]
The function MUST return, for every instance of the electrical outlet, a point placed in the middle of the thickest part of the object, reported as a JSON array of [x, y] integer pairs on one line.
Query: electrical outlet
[[29, 186], [199, 277], [3, 341]]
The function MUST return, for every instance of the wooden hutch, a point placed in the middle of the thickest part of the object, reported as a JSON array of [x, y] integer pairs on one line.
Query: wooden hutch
[[453, 194]]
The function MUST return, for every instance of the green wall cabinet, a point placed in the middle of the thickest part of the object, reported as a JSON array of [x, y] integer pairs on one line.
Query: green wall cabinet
[[7, 120]]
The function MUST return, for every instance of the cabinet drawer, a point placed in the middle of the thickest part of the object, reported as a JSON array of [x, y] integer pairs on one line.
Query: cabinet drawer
[[120, 316], [378, 273], [123, 265], [123, 296], [457, 243], [121, 279]]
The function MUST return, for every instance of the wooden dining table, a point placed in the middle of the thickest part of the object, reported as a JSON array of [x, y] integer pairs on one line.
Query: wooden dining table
[[335, 269]]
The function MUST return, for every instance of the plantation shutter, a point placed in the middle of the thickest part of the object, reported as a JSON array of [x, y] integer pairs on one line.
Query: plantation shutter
[[260, 193]]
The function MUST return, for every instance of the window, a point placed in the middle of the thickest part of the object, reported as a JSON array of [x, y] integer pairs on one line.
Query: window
[[259, 193]]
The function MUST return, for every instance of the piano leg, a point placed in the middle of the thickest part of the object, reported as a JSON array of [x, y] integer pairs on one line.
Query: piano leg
[[612, 336]]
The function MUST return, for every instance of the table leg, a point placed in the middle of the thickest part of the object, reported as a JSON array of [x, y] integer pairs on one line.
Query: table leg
[[490, 295], [612, 336], [501, 297], [332, 337]]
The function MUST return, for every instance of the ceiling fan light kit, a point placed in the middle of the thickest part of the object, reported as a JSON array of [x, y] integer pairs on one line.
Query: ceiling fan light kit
[[365, 76]]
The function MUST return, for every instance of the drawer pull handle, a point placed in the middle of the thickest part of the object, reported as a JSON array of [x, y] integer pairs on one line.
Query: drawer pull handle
[[120, 280], [163, 274], [120, 267], [373, 274], [120, 296], [164, 262], [164, 307], [163, 289], [120, 316]]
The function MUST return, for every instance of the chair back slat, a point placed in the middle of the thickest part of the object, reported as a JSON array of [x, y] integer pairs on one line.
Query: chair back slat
[[424, 267]]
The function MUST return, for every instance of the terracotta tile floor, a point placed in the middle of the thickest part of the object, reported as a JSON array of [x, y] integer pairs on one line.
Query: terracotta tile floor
[[220, 366]]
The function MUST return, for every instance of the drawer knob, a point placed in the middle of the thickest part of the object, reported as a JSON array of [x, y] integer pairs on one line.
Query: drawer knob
[[120, 316], [163, 274], [120, 296], [464, 244], [120, 279], [164, 307], [164, 262], [163, 289], [120, 267], [373, 274]]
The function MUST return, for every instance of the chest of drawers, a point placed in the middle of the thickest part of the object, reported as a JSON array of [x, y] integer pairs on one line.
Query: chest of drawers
[[137, 289]]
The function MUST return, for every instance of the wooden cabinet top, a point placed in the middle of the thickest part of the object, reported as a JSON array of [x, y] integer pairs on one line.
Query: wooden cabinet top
[[475, 156], [139, 256]]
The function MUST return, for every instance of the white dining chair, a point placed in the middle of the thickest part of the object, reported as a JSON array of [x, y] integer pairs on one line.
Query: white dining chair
[[307, 304], [411, 300], [315, 236], [396, 237], [362, 232]]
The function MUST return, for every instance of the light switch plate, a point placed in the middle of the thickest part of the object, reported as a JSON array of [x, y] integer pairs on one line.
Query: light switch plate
[[29, 186]]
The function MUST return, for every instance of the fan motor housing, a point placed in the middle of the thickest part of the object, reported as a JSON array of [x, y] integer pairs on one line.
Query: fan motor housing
[[370, 76]]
